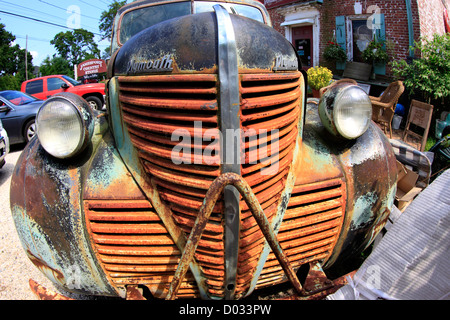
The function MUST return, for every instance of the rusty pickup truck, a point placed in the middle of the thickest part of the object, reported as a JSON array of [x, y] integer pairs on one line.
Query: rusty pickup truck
[[209, 176]]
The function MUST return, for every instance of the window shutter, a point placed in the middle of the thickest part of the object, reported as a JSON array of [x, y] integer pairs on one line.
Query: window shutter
[[340, 38], [380, 33]]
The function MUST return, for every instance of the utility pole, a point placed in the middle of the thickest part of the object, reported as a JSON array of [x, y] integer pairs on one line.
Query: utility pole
[[26, 58]]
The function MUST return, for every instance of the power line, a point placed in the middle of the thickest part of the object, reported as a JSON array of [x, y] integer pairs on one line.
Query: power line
[[17, 5], [90, 4], [43, 13], [32, 38], [41, 21], [55, 6]]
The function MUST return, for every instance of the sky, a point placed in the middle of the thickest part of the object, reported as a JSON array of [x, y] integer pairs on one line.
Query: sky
[[20, 18]]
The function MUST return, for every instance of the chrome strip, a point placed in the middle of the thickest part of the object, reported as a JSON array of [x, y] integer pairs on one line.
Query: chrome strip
[[231, 140]]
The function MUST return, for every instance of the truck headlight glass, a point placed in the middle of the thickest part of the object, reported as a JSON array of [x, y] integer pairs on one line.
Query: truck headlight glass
[[352, 112], [346, 111], [62, 126]]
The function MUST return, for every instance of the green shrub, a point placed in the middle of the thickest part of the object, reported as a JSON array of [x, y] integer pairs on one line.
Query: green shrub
[[429, 75]]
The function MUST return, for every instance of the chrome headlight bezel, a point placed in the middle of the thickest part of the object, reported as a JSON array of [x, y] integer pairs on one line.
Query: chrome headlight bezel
[[344, 105], [77, 111]]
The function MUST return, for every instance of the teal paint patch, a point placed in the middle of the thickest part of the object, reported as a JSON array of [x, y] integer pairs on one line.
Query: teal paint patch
[[362, 212]]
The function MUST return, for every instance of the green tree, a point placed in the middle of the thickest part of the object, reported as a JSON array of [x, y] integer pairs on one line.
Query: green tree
[[9, 82], [106, 23], [76, 46], [6, 39], [12, 61], [107, 18], [429, 75], [56, 65]]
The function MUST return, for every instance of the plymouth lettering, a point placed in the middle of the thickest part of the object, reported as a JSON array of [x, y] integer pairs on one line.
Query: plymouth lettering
[[163, 64], [282, 64]]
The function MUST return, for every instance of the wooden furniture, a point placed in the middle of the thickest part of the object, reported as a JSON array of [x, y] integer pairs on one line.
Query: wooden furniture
[[419, 115], [357, 70], [383, 107]]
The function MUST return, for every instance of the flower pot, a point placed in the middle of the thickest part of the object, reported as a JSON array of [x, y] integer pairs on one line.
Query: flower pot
[[316, 93], [379, 68]]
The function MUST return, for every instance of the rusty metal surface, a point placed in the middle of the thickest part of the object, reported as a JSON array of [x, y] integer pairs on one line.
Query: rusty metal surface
[[331, 287], [212, 195], [46, 208], [310, 227], [43, 293]]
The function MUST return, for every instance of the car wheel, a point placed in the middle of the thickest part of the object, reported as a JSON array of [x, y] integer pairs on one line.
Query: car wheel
[[30, 130], [94, 102]]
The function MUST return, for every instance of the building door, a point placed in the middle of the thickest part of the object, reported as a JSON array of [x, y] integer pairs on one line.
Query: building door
[[302, 39]]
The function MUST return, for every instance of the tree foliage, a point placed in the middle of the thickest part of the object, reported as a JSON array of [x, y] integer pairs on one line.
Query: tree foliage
[[107, 18], [429, 75], [56, 65], [12, 61], [106, 23], [76, 46]]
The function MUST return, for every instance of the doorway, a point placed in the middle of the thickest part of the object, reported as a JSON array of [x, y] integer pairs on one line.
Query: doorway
[[302, 39]]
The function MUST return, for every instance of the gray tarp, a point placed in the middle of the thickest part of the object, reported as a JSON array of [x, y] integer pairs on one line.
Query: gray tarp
[[411, 262]]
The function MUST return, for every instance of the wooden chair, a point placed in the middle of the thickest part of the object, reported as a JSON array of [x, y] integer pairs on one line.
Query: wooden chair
[[322, 90], [383, 107], [420, 115]]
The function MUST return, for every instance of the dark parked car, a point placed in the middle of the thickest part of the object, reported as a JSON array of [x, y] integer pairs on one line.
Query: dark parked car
[[3, 145], [18, 113]]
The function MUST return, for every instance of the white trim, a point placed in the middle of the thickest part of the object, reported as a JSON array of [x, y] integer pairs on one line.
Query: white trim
[[299, 16], [298, 22]]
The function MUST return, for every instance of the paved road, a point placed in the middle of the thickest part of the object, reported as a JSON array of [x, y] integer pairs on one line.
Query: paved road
[[15, 267]]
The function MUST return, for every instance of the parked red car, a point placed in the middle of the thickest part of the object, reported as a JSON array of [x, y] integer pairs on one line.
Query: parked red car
[[44, 87]]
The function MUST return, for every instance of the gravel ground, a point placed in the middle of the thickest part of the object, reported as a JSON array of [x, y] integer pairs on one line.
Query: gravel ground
[[15, 267]]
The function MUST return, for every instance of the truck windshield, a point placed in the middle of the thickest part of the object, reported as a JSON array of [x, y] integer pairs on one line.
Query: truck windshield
[[137, 20], [240, 9], [140, 19]]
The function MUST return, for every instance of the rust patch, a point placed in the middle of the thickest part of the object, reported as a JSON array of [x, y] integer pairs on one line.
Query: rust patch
[[46, 269], [43, 293]]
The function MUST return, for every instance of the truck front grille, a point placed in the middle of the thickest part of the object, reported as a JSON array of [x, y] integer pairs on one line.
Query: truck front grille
[[133, 245], [153, 107]]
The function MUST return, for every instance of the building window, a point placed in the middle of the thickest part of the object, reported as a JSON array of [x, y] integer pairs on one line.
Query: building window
[[353, 34], [361, 36]]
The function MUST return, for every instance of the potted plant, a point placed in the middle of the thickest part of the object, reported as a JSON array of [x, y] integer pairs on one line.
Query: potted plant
[[376, 55], [334, 52], [318, 77]]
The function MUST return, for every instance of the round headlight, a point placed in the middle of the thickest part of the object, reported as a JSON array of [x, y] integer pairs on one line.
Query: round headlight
[[63, 125], [346, 111]]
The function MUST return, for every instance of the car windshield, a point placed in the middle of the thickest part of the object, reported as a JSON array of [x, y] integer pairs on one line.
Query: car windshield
[[17, 98], [72, 81], [139, 19]]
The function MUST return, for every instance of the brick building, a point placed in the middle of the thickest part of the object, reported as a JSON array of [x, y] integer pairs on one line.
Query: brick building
[[309, 25]]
